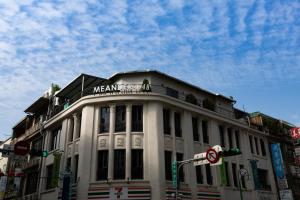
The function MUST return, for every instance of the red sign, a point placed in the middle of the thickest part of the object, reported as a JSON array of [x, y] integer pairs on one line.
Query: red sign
[[295, 132], [21, 148], [212, 156]]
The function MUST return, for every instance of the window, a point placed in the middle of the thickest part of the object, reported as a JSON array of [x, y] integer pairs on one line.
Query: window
[[171, 92], [205, 132], [49, 172], [195, 129], [120, 118], [168, 165], [229, 132], [79, 126], [102, 168], [209, 178], [243, 178], [237, 139], [199, 174], [54, 140], [179, 157], [76, 168], [37, 144], [68, 164], [32, 180], [222, 136], [262, 146], [227, 174], [71, 131], [119, 164], [256, 145], [104, 119], [137, 118], [137, 169], [234, 175], [166, 118], [177, 121], [251, 143], [263, 179]]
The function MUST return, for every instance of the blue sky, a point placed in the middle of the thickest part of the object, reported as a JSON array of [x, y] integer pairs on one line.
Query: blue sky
[[246, 49]]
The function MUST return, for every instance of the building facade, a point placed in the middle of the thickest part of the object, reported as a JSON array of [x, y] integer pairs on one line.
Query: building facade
[[116, 138]]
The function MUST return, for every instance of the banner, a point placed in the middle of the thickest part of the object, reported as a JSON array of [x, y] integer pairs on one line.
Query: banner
[[255, 174], [277, 160], [223, 174], [56, 166]]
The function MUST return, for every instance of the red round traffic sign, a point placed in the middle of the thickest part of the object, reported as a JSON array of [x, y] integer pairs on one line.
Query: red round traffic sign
[[21, 148], [212, 156]]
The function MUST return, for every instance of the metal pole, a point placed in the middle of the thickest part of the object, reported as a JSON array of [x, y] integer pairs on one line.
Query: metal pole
[[240, 186]]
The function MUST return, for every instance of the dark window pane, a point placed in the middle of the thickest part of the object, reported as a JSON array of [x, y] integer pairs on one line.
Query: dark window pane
[[199, 174], [79, 124], [119, 164], [263, 179], [49, 176], [209, 178], [177, 123], [137, 118], [205, 132], [234, 175], [166, 118], [102, 167], [32, 180], [229, 132], [179, 157], [256, 145], [251, 143], [71, 131], [222, 136], [227, 174], [76, 167], [237, 139], [68, 165], [171, 92], [137, 169], [262, 146], [104, 119], [195, 129], [54, 140], [168, 163], [120, 119]]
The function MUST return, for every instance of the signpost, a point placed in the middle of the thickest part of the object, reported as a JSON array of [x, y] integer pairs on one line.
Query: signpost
[[212, 156], [21, 148]]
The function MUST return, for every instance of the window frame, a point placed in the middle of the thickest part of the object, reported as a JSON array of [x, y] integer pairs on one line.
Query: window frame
[[104, 119], [137, 111]]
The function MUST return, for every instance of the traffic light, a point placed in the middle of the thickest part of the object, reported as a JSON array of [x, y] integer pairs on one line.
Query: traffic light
[[230, 152], [34, 152], [174, 174]]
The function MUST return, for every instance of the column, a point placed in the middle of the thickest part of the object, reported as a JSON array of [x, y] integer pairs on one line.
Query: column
[[112, 110], [155, 146], [85, 150], [128, 141]]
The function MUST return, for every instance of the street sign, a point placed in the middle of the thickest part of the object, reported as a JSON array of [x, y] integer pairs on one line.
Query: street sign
[[212, 156], [7, 149], [21, 148], [174, 174], [200, 156]]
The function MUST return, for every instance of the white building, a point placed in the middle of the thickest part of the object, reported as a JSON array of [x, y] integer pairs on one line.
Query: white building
[[118, 138], [3, 158]]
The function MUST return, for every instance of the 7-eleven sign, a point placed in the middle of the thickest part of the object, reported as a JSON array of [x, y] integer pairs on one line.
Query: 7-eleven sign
[[118, 193]]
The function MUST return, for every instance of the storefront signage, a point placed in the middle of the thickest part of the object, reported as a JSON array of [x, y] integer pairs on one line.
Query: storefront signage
[[295, 132], [123, 88], [277, 160]]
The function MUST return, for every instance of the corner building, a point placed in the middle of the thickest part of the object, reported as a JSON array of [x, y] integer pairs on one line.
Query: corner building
[[117, 138]]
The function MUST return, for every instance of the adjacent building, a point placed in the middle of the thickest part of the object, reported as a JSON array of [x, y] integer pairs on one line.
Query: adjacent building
[[116, 138]]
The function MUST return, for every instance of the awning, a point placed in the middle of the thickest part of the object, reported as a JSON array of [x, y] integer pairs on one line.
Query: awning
[[38, 106]]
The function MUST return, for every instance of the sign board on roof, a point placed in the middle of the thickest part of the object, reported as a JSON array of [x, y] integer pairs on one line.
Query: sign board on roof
[[295, 133]]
